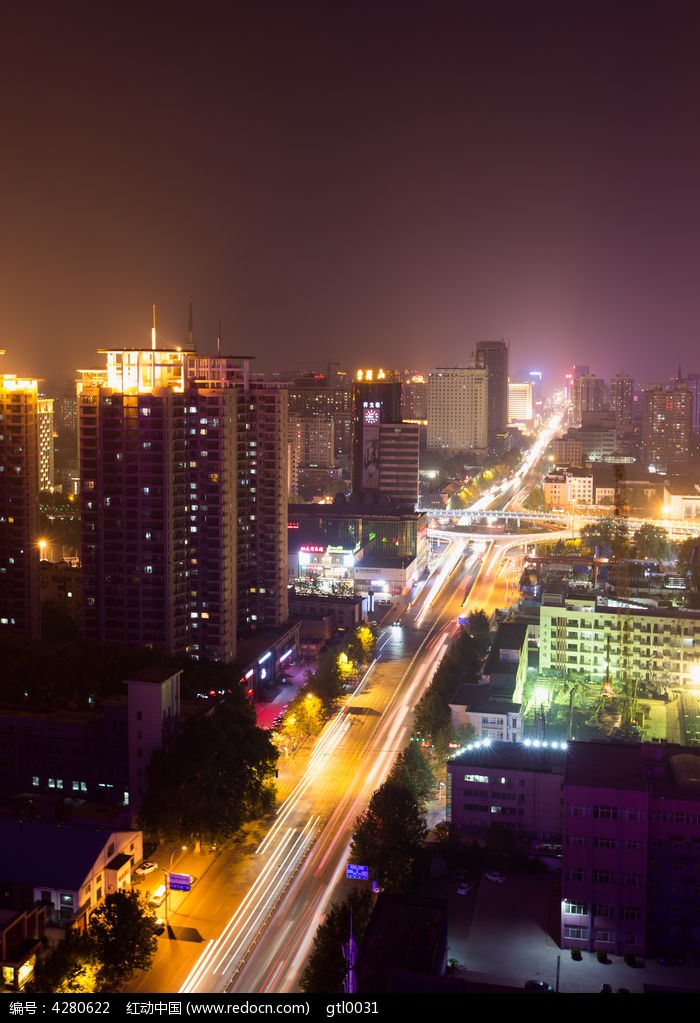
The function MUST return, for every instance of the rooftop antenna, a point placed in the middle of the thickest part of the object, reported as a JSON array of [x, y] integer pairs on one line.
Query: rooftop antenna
[[190, 327], [218, 340], [153, 330]]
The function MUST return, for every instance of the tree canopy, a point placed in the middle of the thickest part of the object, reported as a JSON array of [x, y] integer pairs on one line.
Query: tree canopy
[[217, 775], [389, 835]]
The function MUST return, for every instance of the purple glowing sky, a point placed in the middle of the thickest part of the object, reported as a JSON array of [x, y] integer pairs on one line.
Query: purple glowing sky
[[363, 183]]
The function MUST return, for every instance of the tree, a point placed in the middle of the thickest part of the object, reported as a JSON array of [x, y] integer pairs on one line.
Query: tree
[[611, 531], [326, 969], [69, 968], [305, 718], [413, 770], [123, 935], [217, 776], [652, 542], [388, 837], [535, 500]]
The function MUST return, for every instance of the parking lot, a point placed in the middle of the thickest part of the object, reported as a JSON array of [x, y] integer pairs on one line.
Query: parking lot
[[507, 934]]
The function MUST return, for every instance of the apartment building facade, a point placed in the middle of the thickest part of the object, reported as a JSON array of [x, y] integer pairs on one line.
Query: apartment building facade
[[597, 638], [183, 498]]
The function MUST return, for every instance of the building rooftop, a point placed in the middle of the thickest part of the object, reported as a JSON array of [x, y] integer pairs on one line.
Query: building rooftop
[[539, 757], [25, 860]]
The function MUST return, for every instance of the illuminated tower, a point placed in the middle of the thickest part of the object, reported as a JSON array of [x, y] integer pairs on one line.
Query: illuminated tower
[[385, 450], [20, 608], [183, 502]]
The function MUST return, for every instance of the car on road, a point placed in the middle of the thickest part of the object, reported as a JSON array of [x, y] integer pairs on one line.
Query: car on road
[[465, 888], [538, 985], [495, 875], [147, 867]]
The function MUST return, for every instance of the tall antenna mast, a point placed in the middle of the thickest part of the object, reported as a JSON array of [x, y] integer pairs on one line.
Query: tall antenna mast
[[153, 330], [218, 340], [190, 328]]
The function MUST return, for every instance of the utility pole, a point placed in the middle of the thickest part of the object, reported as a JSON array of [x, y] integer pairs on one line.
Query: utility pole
[[350, 954]]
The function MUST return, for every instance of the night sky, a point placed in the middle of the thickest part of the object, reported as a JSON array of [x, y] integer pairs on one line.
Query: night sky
[[363, 183]]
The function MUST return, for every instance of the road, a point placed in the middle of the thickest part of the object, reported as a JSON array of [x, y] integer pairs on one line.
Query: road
[[249, 922]]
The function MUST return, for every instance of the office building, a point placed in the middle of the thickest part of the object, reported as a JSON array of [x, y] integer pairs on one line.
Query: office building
[[20, 608], [494, 356], [183, 469], [385, 449], [458, 409], [520, 402]]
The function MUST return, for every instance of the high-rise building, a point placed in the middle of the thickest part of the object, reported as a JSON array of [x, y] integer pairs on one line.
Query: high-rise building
[[20, 608], [458, 409], [520, 401], [535, 378], [414, 398], [385, 450], [666, 427], [46, 448], [325, 397], [589, 395], [183, 493], [494, 356], [621, 400]]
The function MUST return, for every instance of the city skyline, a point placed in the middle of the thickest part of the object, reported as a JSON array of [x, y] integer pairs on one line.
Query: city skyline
[[323, 185]]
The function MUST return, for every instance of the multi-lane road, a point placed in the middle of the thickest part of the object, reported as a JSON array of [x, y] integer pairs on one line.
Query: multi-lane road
[[252, 917]]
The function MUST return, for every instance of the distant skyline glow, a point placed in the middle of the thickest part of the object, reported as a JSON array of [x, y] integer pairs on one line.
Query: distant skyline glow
[[354, 184]]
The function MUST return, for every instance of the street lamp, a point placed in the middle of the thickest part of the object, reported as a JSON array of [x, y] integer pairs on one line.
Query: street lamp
[[181, 848]]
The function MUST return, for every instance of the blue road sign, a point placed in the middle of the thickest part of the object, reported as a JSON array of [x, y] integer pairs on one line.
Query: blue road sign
[[357, 873], [179, 882]]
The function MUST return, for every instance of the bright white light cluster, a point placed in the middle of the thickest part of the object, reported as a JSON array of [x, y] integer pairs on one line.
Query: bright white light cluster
[[528, 743], [542, 744]]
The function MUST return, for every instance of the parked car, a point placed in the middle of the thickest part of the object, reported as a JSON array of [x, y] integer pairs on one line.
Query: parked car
[[159, 924], [538, 985], [496, 875], [147, 867], [465, 888]]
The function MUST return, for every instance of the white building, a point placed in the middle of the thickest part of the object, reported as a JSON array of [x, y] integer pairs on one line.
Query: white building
[[600, 640], [519, 401]]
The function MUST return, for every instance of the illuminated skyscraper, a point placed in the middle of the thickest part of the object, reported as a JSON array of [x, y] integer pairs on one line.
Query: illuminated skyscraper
[[385, 450], [20, 608], [183, 502]]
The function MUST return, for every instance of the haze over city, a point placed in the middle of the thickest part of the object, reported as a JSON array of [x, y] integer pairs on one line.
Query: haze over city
[[355, 183]]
